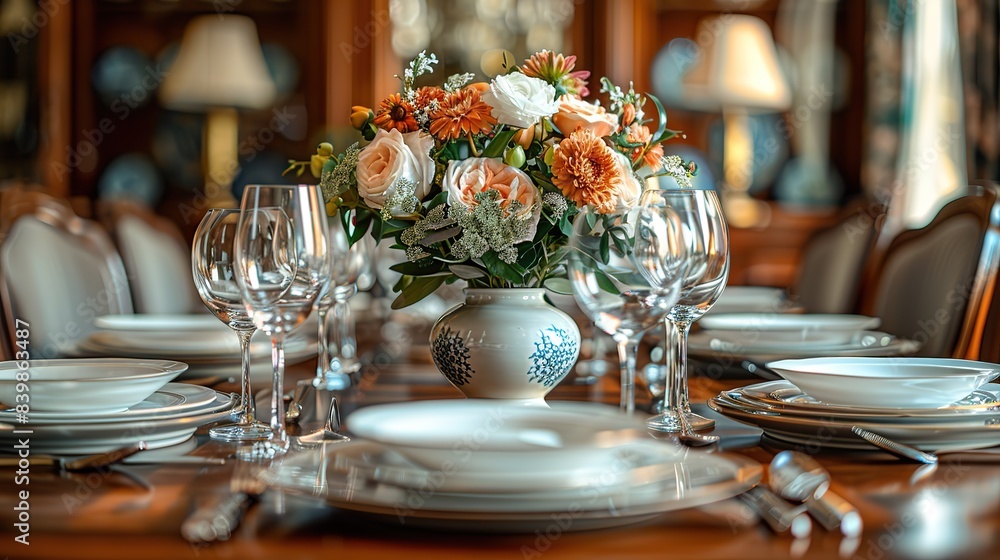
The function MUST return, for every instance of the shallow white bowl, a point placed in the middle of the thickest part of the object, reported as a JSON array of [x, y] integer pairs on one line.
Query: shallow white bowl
[[85, 386], [886, 382], [774, 327], [497, 436], [751, 299]]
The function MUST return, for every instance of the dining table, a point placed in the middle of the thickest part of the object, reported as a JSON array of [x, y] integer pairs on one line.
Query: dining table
[[132, 511]]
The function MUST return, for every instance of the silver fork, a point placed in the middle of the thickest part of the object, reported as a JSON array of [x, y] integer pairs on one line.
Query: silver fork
[[914, 454], [218, 520]]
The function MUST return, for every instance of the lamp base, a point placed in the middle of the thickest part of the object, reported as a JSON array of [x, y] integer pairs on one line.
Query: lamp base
[[742, 211]]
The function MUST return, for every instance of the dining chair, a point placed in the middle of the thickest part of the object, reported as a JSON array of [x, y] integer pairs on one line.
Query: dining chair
[[833, 259], [935, 284], [58, 272], [157, 259]]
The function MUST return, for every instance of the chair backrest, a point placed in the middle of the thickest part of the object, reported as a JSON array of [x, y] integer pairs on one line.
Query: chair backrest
[[156, 258], [932, 283], [58, 272], [833, 260]]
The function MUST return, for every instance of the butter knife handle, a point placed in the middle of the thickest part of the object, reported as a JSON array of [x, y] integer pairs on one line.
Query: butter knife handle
[[777, 513], [835, 513], [216, 521]]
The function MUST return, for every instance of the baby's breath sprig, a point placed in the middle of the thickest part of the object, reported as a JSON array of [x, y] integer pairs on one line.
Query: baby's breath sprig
[[421, 64], [456, 82], [619, 99]]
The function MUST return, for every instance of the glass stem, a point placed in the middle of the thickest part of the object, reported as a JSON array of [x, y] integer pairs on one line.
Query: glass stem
[[676, 392], [322, 338], [628, 347], [279, 435], [348, 345], [248, 415]]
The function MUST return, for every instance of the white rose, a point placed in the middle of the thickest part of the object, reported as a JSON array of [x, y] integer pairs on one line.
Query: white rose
[[520, 100], [391, 159], [629, 188]]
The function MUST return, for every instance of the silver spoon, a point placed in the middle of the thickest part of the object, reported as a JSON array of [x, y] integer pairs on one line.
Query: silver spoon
[[687, 436], [798, 477]]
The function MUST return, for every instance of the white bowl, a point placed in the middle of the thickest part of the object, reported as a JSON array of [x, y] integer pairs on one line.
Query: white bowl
[[886, 382], [497, 436], [774, 327], [85, 386], [751, 299]]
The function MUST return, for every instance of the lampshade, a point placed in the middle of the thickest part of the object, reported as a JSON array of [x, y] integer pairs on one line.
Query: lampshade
[[739, 68], [220, 64]]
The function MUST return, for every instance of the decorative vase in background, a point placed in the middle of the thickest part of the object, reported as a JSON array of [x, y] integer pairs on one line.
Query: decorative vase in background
[[505, 344]]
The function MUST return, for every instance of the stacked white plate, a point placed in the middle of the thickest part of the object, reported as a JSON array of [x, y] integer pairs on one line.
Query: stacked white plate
[[203, 342], [752, 299], [910, 412], [169, 416], [764, 337], [495, 466]]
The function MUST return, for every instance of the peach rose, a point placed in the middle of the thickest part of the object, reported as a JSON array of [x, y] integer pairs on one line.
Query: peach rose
[[575, 113], [466, 178], [393, 157], [628, 187]]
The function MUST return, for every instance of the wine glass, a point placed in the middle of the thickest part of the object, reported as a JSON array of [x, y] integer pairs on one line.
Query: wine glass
[[707, 238], [609, 288], [352, 270], [283, 264], [212, 263]]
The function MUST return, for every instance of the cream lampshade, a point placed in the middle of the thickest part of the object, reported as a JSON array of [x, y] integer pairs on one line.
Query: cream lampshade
[[220, 68], [738, 73]]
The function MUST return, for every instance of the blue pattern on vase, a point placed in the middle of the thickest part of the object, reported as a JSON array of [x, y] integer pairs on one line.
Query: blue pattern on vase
[[554, 354], [451, 356]]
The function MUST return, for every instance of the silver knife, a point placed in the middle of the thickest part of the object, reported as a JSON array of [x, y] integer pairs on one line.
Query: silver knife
[[90, 462]]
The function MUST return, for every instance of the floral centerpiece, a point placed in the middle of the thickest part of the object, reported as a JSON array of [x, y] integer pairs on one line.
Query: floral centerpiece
[[480, 181]]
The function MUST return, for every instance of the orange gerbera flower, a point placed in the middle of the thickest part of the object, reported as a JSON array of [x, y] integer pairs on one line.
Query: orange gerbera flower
[[462, 113], [396, 113], [651, 155], [585, 170], [427, 95]]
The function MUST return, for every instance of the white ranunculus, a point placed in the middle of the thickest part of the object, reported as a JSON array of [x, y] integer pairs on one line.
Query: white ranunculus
[[629, 187], [391, 159], [519, 100]]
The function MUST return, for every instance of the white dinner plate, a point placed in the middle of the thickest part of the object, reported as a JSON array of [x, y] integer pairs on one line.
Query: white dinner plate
[[161, 322], [88, 386], [682, 481], [828, 328], [498, 436], [83, 438], [777, 341], [171, 400], [751, 299], [886, 382], [706, 347], [833, 432], [785, 398]]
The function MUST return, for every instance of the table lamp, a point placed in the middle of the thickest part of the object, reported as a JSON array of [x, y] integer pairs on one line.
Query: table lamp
[[220, 68], [738, 73]]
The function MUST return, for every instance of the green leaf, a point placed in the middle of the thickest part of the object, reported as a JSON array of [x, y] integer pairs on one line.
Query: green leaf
[[466, 272], [425, 267], [438, 200], [604, 282], [499, 143], [417, 290], [391, 227], [559, 286], [605, 247], [663, 117], [513, 273]]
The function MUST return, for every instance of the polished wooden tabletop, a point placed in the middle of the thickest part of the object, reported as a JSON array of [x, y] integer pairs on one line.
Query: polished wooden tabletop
[[909, 512]]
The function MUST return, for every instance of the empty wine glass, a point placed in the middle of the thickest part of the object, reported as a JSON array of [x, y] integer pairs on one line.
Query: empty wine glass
[[609, 288], [707, 239], [212, 262], [352, 269], [283, 264]]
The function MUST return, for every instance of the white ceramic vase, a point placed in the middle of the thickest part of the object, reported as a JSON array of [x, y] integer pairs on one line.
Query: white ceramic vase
[[505, 344]]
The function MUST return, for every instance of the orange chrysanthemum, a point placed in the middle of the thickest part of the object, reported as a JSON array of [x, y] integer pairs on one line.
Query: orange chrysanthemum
[[462, 113], [651, 155], [585, 170], [427, 95], [396, 113]]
